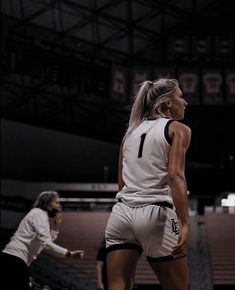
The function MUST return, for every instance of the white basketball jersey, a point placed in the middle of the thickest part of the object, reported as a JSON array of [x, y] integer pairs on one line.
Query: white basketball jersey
[[145, 162]]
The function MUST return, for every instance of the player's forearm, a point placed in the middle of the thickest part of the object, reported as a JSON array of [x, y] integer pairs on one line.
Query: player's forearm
[[179, 194]]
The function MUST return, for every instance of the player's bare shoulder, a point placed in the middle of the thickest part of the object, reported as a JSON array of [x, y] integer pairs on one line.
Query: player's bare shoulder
[[178, 129]]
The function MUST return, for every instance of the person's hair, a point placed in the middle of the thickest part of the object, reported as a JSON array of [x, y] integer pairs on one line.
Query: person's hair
[[44, 199], [149, 100]]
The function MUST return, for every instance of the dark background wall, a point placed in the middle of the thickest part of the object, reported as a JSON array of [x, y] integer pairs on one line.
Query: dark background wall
[[37, 154], [31, 153]]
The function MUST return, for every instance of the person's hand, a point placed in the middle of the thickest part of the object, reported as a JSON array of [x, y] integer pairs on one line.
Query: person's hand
[[183, 241], [100, 286], [77, 254], [56, 221]]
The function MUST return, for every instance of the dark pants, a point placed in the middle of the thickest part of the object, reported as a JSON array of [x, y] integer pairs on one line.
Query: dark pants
[[14, 273]]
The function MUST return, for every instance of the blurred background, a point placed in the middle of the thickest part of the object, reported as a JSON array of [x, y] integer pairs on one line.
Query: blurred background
[[69, 71]]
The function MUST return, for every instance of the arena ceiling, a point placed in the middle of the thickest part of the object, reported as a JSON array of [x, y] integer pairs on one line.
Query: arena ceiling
[[58, 55], [116, 30]]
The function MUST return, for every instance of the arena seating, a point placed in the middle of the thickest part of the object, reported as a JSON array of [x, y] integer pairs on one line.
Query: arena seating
[[221, 240]]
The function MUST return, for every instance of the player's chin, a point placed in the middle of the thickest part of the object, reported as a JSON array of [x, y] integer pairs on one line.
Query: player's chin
[[179, 117]]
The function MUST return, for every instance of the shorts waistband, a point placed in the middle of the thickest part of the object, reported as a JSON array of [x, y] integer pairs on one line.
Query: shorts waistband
[[164, 204], [159, 203]]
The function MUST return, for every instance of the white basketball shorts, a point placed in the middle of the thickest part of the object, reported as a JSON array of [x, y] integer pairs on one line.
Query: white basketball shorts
[[152, 228]]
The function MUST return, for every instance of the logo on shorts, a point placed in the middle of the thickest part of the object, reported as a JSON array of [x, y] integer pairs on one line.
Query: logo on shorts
[[175, 226]]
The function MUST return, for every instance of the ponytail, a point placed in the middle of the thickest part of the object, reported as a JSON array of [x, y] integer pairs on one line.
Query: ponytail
[[148, 101], [139, 105]]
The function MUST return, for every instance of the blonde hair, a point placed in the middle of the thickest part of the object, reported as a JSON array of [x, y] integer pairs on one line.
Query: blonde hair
[[149, 100]]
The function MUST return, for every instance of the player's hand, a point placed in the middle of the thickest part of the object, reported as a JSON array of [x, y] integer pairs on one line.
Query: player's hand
[[183, 242]]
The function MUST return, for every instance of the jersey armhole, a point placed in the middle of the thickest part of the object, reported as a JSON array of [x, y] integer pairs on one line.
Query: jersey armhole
[[166, 132]]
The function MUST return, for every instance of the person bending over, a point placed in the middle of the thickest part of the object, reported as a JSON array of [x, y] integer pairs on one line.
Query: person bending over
[[37, 231]]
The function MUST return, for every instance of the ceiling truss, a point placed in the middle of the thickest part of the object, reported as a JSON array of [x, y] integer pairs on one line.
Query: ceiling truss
[[58, 54]]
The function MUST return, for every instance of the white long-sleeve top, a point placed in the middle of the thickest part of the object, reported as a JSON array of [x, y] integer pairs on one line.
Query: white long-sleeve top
[[32, 236]]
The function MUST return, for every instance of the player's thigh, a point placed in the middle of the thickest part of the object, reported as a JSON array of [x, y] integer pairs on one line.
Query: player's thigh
[[121, 264], [172, 275]]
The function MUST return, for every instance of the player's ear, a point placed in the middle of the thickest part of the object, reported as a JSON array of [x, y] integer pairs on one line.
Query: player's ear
[[168, 103]]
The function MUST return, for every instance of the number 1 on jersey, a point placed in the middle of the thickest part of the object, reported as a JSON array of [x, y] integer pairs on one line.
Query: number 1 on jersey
[[141, 145]]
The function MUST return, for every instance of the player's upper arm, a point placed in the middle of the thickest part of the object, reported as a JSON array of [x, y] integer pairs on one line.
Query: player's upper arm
[[120, 179], [181, 137]]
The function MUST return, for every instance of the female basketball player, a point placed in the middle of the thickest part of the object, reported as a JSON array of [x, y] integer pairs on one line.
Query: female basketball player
[[151, 214]]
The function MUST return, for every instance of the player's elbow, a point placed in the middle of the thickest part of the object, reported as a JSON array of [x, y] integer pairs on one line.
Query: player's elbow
[[175, 176]]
